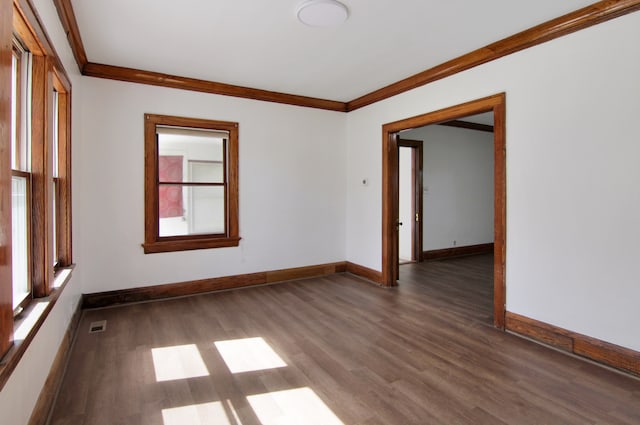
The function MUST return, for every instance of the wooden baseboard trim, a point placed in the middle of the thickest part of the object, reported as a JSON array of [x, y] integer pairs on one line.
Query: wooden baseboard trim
[[594, 349], [42, 410], [364, 272], [458, 251], [148, 293]]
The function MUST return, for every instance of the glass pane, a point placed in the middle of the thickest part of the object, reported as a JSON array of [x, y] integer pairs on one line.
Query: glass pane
[[56, 131], [191, 210], [19, 229], [14, 114], [206, 171], [55, 222], [178, 152], [20, 111]]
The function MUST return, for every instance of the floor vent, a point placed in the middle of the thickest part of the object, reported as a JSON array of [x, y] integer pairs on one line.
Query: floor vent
[[100, 326]]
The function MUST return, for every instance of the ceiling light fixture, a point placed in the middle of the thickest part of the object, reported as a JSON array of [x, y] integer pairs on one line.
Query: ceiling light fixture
[[322, 13]]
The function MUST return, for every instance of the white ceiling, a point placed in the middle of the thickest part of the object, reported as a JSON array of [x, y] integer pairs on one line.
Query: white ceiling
[[260, 44]]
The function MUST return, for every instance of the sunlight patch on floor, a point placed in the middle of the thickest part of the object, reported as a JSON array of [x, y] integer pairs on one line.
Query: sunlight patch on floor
[[197, 414], [248, 355], [300, 406], [178, 362]]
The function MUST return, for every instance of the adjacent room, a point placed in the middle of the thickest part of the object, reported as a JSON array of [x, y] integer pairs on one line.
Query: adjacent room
[[319, 212]]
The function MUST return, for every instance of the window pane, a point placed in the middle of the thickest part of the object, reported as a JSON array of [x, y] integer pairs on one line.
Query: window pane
[[177, 151], [20, 109], [191, 210], [56, 131], [206, 171], [14, 112], [55, 221], [19, 228]]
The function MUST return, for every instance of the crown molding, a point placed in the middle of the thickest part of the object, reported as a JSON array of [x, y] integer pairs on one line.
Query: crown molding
[[580, 19], [575, 21], [111, 72], [468, 125], [70, 24]]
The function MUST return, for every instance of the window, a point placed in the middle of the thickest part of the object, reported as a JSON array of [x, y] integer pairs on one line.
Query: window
[[191, 184], [40, 168], [35, 179], [20, 176], [61, 173]]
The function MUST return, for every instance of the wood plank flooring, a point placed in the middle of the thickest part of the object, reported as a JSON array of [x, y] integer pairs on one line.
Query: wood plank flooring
[[351, 353]]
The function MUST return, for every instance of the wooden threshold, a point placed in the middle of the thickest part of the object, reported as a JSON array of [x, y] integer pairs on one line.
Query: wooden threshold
[[457, 251], [594, 14], [594, 349]]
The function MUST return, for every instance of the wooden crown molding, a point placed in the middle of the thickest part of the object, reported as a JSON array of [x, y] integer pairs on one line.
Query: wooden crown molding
[[468, 125], [29, 26], [165, 80], [70, 25], [580, 19], [90, 69]]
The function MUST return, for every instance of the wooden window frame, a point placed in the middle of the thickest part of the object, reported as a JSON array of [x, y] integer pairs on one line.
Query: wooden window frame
[[17, 51], [19, 21], [153, 242], [25, 302], [62, 188]]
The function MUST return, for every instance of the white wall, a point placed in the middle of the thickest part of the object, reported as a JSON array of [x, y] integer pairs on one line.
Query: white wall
[[572, 186], [291, 175], [457, 186], [573, 198], [19, 395]]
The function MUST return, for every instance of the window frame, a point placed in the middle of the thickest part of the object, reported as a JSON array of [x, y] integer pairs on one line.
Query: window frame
[[20, 153], [28, 297], [41, 71], [155, 243], [61, 171], [17, 54]]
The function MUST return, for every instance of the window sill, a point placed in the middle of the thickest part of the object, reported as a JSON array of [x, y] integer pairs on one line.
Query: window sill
[[186, 245], [26, 326]]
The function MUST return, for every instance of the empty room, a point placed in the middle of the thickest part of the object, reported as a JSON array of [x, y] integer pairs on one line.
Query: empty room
[[319, 212]]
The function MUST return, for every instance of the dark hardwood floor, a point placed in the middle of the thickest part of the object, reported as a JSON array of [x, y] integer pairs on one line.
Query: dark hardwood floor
[[349, 353]]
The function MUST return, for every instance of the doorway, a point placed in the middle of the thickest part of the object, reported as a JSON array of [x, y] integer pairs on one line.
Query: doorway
[[410, 163], [390, 190]]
